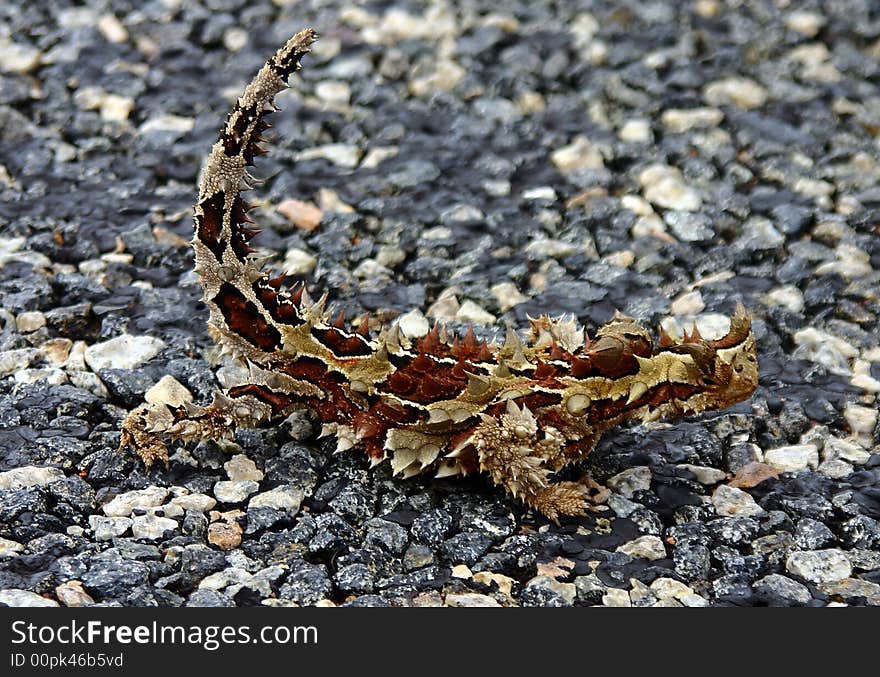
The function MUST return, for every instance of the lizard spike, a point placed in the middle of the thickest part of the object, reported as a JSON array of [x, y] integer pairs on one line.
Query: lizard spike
[[512, 341], [695, 333], [665, 338], [296, 294], [364, 327], [636, 391], [339, 322]]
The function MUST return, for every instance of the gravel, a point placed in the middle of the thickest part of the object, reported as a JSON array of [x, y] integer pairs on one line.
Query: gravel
[[467, 162]]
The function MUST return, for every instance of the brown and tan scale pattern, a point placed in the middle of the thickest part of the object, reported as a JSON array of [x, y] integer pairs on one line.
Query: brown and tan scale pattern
[[518, 412]]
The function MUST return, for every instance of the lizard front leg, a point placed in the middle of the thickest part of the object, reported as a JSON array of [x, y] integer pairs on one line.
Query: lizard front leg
[[520, 455], [146, 428]]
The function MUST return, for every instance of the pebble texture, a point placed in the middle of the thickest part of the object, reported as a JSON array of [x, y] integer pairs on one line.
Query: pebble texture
[[468, 162]]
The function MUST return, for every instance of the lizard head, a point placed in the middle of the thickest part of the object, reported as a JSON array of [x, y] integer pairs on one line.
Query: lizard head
[[725, 371]]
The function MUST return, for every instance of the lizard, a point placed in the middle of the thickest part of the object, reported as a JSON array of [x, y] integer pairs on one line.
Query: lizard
[[518, 411]]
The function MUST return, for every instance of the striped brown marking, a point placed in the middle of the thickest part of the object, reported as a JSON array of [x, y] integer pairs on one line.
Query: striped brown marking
[[209, 224], [341, 343], [280, 309], [278, 401], [372, 425], [244, 318], [601, 411], [334, 408], [241, 235], [534, 401], [423, 380], [234, 138]]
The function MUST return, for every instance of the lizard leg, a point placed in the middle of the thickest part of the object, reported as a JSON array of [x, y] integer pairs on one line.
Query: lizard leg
[[146, 428], [513, 449]]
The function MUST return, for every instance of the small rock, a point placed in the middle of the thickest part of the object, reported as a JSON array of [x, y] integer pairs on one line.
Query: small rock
[[225, 535], [616, 597], [742, 92], [732, 502], [693, 600], [377, 155], [664, 186], [844, 449], [644, 547], [682, 120], [333, 92], [819, 566], [853, 587], [793, 458], [123, 504], [123, 352], [805, 22], [445, 307], [385, 535], [71, 594], [578, 155], [668, 588], [413, 324], [307, 584], [782, 586], [469, 599], [198, 502], [810, 534], [115, 107], [54, 376], [461, 213], [835, 468], [170, 127], [861, 420], [151, 527], [825, 349], [788, 296], [539, 193], [240, 467], [24, 598], [471, 312], [112, 30], [752, 474], [340, 154], [105, 528], [168, 391], [689, 303], [12, 361], [29, 476], [9, 548], [298, 262], [286, 497], [504, 583], [631, 480], [703, 474], [30, 321], [234, 491], [546, 590], [304, 215], [18, 58], [444, 76], [507, 295], [636, 131]]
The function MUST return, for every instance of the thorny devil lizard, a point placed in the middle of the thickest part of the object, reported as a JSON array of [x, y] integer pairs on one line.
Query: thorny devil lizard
[[518, 412]]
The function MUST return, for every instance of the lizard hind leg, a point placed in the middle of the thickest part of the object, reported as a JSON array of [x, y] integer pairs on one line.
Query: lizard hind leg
[[146, 428], [518, 454]]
